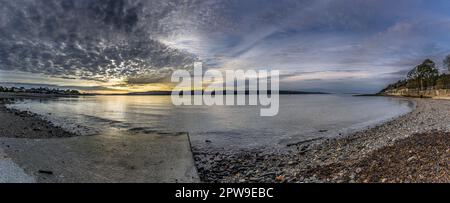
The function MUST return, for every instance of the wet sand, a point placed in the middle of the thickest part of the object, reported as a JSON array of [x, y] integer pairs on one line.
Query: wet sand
[[18, 124]]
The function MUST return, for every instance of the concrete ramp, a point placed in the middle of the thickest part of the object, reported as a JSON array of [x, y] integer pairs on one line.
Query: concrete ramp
[[124, 158], [10, 172]]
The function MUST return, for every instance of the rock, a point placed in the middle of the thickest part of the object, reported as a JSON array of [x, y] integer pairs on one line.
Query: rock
[[352, 177], [280, 179], [268, 174], [292, 163], [46, 172], [412, 158]]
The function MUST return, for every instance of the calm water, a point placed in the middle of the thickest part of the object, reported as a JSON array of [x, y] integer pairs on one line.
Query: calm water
[[301, 117]]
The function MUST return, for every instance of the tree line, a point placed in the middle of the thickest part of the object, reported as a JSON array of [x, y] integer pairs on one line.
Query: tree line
[[40, 90], [425, 76]]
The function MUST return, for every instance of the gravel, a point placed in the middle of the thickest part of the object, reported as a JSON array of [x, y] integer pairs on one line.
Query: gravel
[[24, 124], [422, 158]]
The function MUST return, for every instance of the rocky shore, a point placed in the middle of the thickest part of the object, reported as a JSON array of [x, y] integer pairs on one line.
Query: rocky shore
[[411, 148], [22, 124], [422, 158]]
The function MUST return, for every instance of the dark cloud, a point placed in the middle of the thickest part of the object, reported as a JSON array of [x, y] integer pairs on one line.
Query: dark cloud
[[88, 39], [159, 76]]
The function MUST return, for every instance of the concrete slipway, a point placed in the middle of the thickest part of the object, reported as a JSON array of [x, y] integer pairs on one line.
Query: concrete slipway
[[152, 158]]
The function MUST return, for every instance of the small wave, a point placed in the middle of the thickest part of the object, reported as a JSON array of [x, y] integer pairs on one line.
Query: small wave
[[222, 133], [100, 119], [145, 130]]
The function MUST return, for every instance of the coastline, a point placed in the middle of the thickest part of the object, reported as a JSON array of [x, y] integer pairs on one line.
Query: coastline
[[340, 159], [24, 124], [34, 150], [358, 157]]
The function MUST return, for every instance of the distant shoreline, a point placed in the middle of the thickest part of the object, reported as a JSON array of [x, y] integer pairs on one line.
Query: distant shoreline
[[167, 93], [15, 95], [367, 95]]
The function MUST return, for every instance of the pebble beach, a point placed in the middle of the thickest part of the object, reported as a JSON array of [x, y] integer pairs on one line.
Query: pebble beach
[[350, 159]]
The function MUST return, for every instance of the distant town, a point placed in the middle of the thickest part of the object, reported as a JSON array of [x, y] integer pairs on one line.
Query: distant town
[[40, 90]]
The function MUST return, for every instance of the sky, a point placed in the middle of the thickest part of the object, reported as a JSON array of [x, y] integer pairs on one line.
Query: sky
[[346, 46]]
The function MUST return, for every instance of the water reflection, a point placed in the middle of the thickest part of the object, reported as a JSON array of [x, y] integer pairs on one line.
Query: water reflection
[[301, 117]]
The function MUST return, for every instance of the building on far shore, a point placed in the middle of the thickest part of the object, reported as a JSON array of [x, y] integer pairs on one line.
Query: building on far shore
[[40, 90]]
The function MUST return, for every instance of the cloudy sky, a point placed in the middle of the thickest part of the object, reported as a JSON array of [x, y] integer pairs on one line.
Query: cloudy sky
[[134, 45]]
